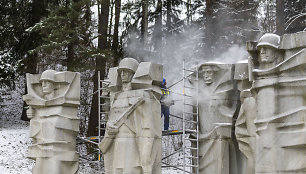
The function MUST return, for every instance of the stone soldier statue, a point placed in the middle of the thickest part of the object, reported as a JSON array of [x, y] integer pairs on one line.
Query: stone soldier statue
[[132, 142], [53, 98], [216, 110], [279, 92]]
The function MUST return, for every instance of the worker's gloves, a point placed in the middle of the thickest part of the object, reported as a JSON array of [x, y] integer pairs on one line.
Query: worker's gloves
[[167, 102], [111, 128]]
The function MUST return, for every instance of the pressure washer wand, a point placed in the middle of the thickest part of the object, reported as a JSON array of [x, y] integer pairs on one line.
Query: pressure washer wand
[[179, 81]]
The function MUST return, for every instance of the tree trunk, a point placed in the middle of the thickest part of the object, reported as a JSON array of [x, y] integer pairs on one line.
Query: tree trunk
[[144, 23], [157, 33], [87, 18], [209, 34], [116, 33], [70, 57], [109, 39], [189, 13], [280, 17], [103, 22], [168, 23], [103, 14]]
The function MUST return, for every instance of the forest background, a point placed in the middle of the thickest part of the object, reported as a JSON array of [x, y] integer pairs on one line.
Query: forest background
[[88, 36]]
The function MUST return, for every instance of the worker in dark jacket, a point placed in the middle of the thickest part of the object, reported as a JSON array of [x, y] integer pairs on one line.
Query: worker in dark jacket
[[166, 101]]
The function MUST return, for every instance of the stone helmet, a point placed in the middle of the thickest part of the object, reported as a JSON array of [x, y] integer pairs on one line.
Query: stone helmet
[[129, 64], [269, 39], [48, 75]]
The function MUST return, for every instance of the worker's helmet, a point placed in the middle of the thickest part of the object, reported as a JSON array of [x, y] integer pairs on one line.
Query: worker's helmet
[[269, 39], [48, 75], [129, 64], [164, 81]]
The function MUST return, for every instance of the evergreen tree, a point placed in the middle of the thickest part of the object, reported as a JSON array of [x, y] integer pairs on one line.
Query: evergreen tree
[[15, 42], [15, 18], [67, 37]]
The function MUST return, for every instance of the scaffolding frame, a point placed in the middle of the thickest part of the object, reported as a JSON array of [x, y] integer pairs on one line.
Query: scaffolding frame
[[190, 150]]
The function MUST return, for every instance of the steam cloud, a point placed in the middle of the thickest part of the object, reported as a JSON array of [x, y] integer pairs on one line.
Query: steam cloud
[[188, 46]]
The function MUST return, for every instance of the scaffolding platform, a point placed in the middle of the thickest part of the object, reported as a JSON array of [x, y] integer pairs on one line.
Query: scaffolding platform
[[175, 132], [93, 139]]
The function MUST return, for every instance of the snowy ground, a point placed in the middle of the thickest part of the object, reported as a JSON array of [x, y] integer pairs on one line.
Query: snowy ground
[[13, 147], [14, 141]]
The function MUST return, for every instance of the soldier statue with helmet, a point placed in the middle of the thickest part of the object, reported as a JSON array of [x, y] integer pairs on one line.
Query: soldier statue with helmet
[[132, 141], [274, 107], [53, 99], [47, 80], [269, 53]]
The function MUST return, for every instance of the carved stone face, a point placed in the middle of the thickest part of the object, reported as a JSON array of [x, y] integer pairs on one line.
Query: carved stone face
[[207, 74], [267, 54], [47, 86], [126, 75]]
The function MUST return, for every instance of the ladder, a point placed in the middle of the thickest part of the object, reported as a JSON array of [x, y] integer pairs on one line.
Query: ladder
[[190, 125], [103, 103]]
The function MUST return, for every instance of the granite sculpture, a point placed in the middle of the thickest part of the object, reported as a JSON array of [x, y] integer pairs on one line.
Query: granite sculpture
[[245, 129], [280, 99], [244, 125], [132, 142], [218, 105], [53, 98], [274, 131]]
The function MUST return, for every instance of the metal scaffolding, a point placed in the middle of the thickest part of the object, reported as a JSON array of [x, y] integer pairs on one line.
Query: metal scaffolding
[[191, 152], [190, 123]]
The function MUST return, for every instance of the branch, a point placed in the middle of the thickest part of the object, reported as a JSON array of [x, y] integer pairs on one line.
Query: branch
[[299, 16]]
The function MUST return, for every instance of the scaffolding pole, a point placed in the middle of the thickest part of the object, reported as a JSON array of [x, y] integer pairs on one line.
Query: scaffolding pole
[[99, 120], [192, 160], [184, 118]]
